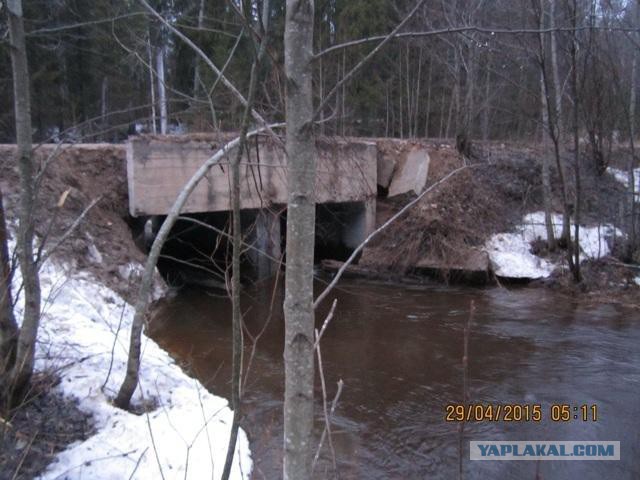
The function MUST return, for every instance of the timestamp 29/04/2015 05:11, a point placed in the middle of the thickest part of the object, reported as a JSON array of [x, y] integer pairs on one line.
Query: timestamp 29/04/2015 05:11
[[510, 412]]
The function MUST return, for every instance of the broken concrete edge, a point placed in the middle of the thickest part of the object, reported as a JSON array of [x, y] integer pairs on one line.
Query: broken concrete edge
[[411, 173]]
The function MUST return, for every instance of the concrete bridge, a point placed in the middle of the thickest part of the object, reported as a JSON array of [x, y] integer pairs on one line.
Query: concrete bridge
[[346, 187]]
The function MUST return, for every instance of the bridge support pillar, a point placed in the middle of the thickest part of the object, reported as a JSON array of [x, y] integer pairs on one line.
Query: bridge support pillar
[[266, 241], [361, 222]]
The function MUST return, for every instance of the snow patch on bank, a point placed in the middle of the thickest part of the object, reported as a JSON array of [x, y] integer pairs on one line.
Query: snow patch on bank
[[623, 177], [510, 253], [85, 333]]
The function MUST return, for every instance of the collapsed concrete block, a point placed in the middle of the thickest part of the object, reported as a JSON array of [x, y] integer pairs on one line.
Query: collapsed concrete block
[[411, 173]]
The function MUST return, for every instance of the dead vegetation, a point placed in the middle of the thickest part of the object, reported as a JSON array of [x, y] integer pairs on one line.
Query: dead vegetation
[[34, 432], [459, 215], [75, 176], [443, 233]]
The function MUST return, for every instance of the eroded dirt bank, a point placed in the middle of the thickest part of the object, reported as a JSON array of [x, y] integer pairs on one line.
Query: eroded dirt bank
[[445, 234], [442, 236], [103, 244]]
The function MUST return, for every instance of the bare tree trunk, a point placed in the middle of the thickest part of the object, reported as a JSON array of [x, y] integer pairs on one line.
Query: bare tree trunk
[[236, 381], [487, 102], [632, 131], [298, 302], [162, 91], [454, 94], [557, 89], [546, 174], [428, 113], [152, 86], [23, 368], [321, 93], [8, 326], [400, 90], [575, 245], [386, 123], [104, 107], [416, 98], [554, 135], [344, 92], [196, 68], [469, 107]]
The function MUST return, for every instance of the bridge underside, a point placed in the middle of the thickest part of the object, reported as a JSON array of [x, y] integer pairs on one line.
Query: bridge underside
[[158, 167]]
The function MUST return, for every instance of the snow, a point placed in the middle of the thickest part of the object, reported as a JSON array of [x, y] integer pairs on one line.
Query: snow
[[510, 253], [623, 177], [85, 332]]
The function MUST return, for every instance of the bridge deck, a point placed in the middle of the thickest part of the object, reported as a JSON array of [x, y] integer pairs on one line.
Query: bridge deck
[[159, 166]]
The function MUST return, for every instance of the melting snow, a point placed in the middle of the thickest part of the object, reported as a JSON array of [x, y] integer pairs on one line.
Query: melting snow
[[510, 253], [623, 177], [85, 330]]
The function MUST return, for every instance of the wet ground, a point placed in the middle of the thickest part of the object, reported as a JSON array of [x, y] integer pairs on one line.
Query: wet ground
[[398, 350]]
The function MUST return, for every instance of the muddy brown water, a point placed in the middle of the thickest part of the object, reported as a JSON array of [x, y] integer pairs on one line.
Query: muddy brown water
[[398, 350]]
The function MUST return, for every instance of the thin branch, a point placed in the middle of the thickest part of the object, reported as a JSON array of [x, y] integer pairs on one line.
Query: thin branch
[[375, 233], [43, 257], [211, 65], [62, 28], [445, 31], [361, 63], [327, 417], [334, 404], [326, 322]]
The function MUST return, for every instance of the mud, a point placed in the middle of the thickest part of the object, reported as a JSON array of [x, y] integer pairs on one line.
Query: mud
[[102, 245]]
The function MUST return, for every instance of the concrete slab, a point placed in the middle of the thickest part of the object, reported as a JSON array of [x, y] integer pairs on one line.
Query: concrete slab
[[159, 166], [411, 173]]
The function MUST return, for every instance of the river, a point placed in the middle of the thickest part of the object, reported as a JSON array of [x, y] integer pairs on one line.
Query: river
[[398, 350]]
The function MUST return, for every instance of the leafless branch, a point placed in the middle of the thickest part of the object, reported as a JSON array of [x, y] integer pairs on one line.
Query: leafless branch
[[42, 257], [380, 229], [450, 30]]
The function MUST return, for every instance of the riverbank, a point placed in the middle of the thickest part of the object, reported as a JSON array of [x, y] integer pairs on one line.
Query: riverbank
[[177, 429], [485, 225], [476, 218]]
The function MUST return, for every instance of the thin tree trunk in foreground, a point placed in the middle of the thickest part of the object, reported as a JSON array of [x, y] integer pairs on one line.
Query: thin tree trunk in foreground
[[574, 246], [236, 381], [632, 131], [298, 302], [23, 368], [546, 171], [8, 326]]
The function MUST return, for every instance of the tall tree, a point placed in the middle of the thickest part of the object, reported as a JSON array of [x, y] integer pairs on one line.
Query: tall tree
[[8, 326], [298, 301], [22, 370]]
